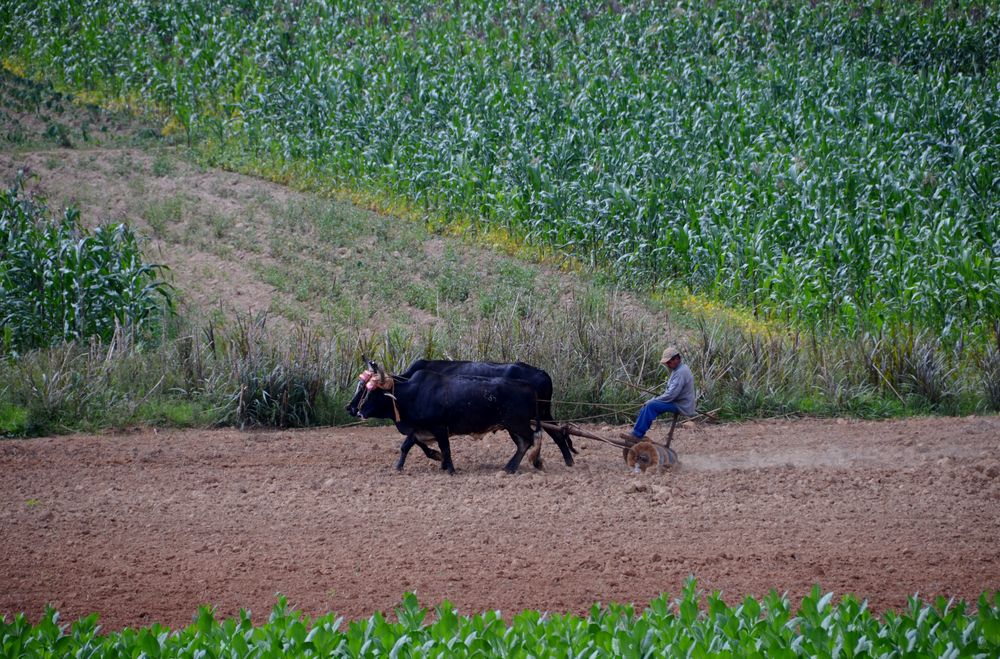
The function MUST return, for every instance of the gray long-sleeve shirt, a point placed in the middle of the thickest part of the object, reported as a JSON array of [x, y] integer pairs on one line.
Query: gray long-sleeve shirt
[[680, 390]]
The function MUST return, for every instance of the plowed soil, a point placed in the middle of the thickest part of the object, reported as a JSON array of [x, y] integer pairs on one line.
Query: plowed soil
[[145, 527]]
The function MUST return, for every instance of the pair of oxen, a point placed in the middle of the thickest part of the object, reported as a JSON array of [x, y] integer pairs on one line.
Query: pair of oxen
[[435, 399]]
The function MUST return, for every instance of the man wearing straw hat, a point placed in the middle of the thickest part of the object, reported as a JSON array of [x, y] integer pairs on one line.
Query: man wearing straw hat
[[678, 396]]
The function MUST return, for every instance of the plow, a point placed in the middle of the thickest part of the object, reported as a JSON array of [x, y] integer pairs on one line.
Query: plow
[[639, 455]]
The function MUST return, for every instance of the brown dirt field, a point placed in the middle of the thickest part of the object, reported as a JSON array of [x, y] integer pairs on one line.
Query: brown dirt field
[[147, 526]]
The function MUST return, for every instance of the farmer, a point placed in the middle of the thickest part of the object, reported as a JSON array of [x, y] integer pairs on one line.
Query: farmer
[[678, 396]]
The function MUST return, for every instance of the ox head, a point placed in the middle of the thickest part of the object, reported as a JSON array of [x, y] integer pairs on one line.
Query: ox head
[[372, 380], [359, 391]]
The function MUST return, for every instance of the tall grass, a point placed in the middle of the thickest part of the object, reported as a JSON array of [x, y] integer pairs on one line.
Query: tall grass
[[748, 372], [246, 373], [602, 356], [830, 164]]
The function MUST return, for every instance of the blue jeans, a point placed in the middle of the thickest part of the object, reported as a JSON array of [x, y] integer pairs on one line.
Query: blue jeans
[[649, 412]]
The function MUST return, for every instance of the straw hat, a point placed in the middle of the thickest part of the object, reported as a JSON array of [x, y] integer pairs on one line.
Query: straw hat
[[669, 354]]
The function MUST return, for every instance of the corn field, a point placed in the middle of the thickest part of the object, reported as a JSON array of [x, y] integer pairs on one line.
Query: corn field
[[831, 164]]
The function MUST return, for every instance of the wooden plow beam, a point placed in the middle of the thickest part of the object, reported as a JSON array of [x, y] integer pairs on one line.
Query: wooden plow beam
[[639, 455]]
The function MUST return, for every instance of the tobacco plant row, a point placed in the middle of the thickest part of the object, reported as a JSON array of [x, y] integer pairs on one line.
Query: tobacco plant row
[[690, 626], [836, 165]]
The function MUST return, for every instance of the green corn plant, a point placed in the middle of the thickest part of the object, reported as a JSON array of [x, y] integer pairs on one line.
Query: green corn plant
[[61, 282]]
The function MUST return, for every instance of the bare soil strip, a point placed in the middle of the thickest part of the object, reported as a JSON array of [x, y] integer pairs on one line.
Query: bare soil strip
[[147, 526]]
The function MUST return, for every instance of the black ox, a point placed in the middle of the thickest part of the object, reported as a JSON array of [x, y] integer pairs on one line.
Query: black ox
[[538, 379], [431, 406]]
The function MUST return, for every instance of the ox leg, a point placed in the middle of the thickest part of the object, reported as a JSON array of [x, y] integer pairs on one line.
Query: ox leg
[[446, 464], [431, 453], [523, 444], [565, 444], [404, 448]]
